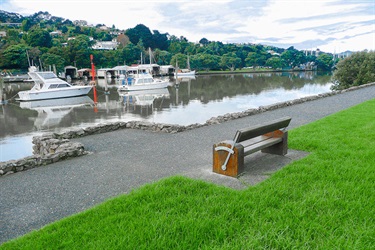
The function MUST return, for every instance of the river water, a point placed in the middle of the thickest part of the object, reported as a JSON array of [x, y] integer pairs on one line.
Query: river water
[[186, 102]]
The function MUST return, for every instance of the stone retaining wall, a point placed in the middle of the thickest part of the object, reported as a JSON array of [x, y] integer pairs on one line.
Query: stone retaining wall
[[54, 147]]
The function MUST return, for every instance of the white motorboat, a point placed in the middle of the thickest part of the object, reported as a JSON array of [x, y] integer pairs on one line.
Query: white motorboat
[[184, 73], [142, 81], [48, 86]]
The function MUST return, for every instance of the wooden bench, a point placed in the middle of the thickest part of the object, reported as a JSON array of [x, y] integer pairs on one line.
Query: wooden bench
[[270, 137]]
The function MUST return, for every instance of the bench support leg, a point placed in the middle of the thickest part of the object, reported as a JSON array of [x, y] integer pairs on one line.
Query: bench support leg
[[235, 164], [280, 148]]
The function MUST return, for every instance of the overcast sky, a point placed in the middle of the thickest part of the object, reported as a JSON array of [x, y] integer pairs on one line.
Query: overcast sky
[[330, 25]]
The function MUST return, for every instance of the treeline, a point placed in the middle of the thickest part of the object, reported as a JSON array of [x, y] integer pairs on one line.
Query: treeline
[[72, 45]]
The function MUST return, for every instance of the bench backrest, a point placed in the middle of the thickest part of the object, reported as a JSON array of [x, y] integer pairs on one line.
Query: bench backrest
[[251, 132]]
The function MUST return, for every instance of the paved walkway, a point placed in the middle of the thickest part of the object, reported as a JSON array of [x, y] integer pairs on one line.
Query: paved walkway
[[127, 159]]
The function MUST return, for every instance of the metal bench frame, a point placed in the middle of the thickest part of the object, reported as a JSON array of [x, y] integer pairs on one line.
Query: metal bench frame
[[270, 137]]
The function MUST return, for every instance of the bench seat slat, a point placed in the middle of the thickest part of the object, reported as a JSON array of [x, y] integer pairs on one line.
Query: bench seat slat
[[251, 132], [260, 142]]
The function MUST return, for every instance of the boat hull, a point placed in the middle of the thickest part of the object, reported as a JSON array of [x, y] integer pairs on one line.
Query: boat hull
[[137, 87], [185, 74], [33, 95]]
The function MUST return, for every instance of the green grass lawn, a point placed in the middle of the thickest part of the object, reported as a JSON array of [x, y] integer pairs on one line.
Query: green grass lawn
[[324, 201]]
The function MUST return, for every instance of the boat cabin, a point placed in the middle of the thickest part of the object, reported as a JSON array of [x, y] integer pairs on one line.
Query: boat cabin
[[167, 70], [84, 73], [106, 73], [70, 72], [152, 69]]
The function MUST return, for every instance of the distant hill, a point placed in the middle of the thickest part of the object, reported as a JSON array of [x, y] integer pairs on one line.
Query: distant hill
[[8, 17]]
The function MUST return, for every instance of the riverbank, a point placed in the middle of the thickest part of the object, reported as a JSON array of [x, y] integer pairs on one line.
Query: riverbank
[[190, 102], [123, 160], [54, 147], [322, 201]]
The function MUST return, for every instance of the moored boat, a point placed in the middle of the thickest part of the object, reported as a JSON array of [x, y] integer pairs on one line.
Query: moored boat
[[141, 82], [184, 73], [48, 86]]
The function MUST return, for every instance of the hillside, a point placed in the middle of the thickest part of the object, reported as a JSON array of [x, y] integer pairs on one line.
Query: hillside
[[57, 41]]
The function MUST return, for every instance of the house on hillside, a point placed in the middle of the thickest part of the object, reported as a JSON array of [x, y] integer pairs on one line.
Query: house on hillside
[[56, 33], [107, 45], [80, 23]]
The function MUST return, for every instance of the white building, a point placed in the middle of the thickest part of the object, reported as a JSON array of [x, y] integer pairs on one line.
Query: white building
[[108, 45]]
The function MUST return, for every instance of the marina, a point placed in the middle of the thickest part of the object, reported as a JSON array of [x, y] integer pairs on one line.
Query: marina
[[192, 100]]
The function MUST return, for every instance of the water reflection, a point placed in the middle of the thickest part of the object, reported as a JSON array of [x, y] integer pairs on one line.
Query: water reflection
[[189, 100], [144, 102], [51, 112]]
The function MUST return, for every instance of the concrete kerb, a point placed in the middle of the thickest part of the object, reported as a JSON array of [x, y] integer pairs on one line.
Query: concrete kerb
[[52, 147]]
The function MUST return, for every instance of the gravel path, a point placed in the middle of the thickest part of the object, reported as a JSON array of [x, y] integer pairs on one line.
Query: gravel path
[[127, 159]]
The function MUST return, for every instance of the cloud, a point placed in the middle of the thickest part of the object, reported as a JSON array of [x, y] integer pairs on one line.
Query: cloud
[[329, 24]]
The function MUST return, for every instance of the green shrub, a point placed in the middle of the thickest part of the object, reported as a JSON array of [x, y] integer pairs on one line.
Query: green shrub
[[355, 70]]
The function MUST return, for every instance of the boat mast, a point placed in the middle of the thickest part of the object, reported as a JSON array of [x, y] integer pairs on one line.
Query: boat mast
[[28, 58], [149, 51], [176, 71], [188, 63]]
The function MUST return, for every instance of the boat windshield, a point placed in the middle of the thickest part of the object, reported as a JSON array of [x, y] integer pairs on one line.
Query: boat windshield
[[61, 85], [145, 80], [47, 75]]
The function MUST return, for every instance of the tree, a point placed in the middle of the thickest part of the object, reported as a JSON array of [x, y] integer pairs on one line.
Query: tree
[[130, 54], [79, 50], [230, 60], [367, 71], [64, 29], [26, 24], [162, 57], [257, 59], [293, 57], [38, 38], [140, 32], [106, 37], [15, 57], [181, 59], [175, 47], [357, 69], [13, 36], [34, 55], [275, 62], [160, 40], [205, 61], [324, 62], [49, 59], [77, 30], [215, 48], [204, 41]]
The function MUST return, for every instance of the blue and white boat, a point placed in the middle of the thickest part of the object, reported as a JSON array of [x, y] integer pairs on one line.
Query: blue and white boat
[[143, 81]]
